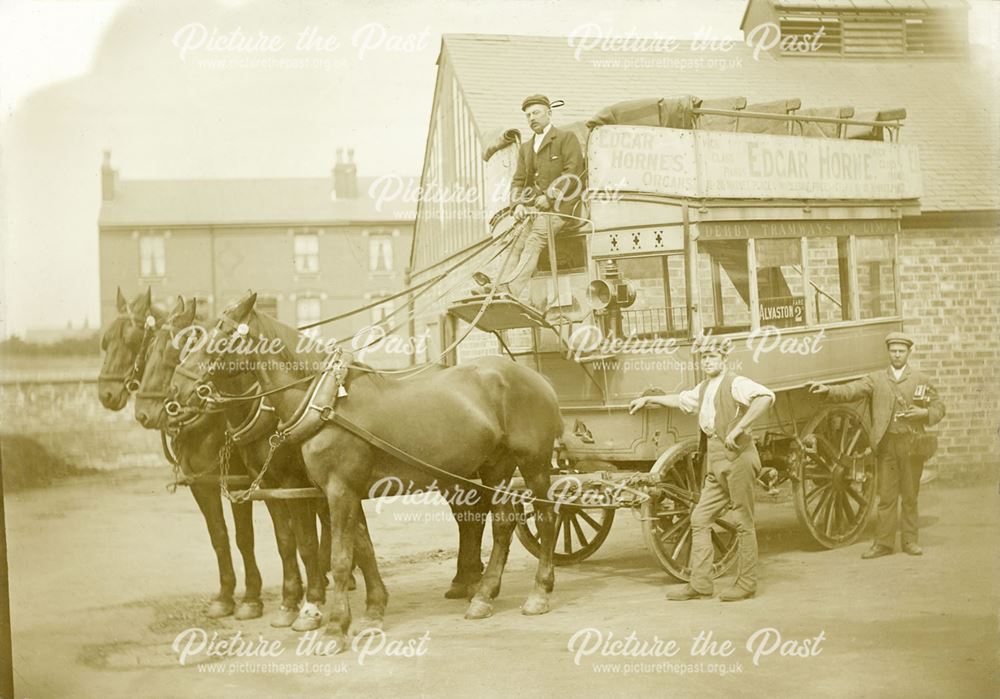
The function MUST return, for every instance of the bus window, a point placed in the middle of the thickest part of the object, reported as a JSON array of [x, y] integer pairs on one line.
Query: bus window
[[828, 279], [780, 284], [876, 281], [724, 286], [660, 306]]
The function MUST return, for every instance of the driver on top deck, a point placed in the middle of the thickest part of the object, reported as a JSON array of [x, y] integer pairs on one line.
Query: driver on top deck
[[548, 181]]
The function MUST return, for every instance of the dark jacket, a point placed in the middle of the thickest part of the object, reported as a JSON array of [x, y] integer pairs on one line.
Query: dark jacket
[[881, 389], [558, 155]]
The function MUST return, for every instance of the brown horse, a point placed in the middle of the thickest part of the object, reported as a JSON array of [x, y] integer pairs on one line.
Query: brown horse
[[479, 420], [122, 342], [198, 442], [125, 344]]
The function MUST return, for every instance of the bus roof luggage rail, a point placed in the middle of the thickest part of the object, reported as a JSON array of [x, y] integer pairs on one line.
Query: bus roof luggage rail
[[719, 114], [873, 132], [772, 126]]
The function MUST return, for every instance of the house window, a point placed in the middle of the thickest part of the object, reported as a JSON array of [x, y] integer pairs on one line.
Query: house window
[[152, 256], [308, 310], [306, 253], [268, 305], [380, 252]]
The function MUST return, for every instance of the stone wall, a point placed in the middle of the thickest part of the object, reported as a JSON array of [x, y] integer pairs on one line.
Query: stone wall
[[67, 419]]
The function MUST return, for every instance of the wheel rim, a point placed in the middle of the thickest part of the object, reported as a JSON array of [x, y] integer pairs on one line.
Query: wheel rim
[[579, 532], [667, 518], [836, 485]]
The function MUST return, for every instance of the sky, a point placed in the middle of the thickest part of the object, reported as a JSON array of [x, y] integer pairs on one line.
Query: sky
[[237, 88]]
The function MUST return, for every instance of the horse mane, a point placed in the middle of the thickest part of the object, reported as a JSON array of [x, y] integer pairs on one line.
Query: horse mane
[[289, 337]]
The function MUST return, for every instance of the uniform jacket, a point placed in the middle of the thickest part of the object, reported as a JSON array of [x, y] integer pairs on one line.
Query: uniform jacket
[[558, 155], [877, 388]]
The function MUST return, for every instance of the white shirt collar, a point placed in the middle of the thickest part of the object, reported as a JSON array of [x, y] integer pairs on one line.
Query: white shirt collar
[[897, 373], [539, 137]]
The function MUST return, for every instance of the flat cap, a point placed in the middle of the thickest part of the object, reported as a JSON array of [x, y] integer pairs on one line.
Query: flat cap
[[542, 100], [898, 338]]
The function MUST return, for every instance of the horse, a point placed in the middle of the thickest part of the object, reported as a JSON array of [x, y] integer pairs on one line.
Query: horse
[[481, 419], [470, 517], [121, 343], [125, 344], [198, 440]]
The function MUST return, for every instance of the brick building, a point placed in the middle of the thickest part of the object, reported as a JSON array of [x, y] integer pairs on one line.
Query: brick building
[[310, 247], [912, 55]]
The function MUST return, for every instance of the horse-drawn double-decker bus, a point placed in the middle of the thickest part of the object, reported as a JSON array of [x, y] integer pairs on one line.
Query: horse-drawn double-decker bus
[[775, 230]]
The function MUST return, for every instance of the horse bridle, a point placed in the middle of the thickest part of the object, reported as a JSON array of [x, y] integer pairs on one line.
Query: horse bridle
[[204, 389], [131, 378], [214, 399]]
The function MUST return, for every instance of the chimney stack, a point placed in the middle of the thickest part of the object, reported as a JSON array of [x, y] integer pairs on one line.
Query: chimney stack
[[345, 176], [109, 178]]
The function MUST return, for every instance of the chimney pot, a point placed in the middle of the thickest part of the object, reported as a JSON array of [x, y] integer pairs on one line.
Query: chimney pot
[[345, 176], [109, 178]]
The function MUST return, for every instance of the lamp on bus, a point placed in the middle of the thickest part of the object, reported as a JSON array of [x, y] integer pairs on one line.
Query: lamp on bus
[[607, 297], [603, 294]]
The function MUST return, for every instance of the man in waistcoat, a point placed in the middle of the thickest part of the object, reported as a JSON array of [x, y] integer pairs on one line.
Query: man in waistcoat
[[726, 405], [901, 402]]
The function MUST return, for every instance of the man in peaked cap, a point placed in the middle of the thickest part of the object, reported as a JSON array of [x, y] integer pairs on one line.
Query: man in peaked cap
[[901, 403], [548, 180], [726, 406]]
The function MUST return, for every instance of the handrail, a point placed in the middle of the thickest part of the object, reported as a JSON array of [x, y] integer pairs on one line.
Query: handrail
[[797, 118]]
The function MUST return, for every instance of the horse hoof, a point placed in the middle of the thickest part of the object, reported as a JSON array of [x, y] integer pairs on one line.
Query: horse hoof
[[306, 624], [310, 618], [249, 610], [220, 608], [478, 609], [285, 617], [366, 624], [535, 605], [352, 584]]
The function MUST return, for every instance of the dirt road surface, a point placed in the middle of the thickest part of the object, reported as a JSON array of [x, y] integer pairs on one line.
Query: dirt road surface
[[106, 572]]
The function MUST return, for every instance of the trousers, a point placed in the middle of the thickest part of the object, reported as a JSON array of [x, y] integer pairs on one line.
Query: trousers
[[898, 478], [523, 257], [729, 483]]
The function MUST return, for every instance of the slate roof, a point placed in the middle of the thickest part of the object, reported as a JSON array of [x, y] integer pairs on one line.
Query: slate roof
[[951, 103], [247, 202]]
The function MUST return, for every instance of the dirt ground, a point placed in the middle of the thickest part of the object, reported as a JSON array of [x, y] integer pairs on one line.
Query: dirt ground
[[107, 571]]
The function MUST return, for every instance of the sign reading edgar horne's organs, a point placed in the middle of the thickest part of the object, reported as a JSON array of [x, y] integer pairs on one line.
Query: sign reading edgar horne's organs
[[743, 165]]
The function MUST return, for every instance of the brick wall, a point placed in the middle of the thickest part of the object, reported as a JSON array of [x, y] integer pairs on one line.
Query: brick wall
[[69, 421], [950, 281]]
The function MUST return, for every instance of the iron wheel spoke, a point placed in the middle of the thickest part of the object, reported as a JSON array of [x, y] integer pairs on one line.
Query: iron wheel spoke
[[589, 520], [584, 541]]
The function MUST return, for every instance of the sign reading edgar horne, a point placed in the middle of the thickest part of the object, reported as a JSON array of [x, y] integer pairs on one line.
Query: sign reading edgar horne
[[676, 162]]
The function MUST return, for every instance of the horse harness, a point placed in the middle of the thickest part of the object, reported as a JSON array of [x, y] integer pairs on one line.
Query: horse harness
[[130, 379]]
